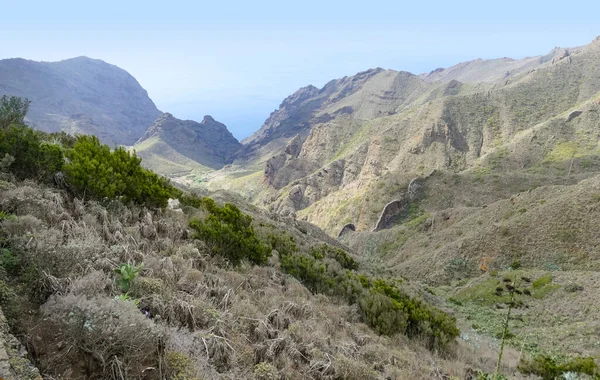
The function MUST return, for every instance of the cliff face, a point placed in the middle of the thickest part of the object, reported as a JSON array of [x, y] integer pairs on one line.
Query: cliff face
[[80, 95]]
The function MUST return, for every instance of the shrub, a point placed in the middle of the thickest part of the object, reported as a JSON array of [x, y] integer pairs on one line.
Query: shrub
[[384, 307], [337, 254], [229, 233], [107, 332], [265, 371], [95, 172], [541, 281], [32, 157], [127, 273], [547, 368], [9, 261], [180, 366], [10, 305]]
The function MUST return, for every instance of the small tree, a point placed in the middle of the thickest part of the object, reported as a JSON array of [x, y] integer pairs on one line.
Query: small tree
[[12, 110]]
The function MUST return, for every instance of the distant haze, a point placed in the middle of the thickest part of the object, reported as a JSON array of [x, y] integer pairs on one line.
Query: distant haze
[[237, 60]]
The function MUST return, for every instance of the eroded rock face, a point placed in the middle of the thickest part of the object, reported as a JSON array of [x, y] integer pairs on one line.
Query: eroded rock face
[[574, 115], [348, 228], [397, 210], [393, 212]]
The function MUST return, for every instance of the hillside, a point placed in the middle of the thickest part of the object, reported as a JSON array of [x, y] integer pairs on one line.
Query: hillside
[[80, 95], [104, 275], [177, 148], [460, 179], [325, 149]]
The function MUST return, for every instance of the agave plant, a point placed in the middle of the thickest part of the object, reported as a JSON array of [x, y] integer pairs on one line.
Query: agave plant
[[126, 273]]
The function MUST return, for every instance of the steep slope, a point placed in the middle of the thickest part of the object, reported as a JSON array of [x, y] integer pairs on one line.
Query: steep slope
[[81, 95], [176, 147]]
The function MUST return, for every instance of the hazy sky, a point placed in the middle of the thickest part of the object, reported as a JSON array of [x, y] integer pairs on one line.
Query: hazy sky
[[237, 60]]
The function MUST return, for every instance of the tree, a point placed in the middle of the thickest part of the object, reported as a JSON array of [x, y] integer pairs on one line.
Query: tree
[[12, 110]]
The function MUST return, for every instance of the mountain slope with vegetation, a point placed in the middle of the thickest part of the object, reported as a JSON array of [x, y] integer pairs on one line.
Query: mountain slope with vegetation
[[104, 276], [459, 178]]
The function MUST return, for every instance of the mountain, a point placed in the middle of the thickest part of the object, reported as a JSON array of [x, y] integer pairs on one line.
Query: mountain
[[463, 178], [80, 95], [326, 153], [176, 147]]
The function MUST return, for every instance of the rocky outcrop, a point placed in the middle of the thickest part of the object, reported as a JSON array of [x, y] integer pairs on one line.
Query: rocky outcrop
[[348, 228], [14, 363], [574, 115], [80, 95], [397, 210]]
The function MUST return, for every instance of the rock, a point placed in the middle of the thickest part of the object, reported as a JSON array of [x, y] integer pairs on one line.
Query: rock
[[391, 213], [347, 229], [294, 147], [573, 115], [173, 204]]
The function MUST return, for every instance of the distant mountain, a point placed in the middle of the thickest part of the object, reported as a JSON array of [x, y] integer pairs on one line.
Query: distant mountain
[[176, 147], [81, 95]]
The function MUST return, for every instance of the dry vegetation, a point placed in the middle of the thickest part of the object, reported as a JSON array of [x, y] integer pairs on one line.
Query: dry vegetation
[[187, 315]]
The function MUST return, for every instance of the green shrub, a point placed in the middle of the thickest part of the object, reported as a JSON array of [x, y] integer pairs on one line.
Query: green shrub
[[541, 281], [229, 233], [95, 172], [9, 261], [337, 254], [127, 273], [547, 368], [33, 158], [384, 307]]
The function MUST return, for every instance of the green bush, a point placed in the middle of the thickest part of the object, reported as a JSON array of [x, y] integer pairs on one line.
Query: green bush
[[229, 233], [33, 157], [542, 281], [95, 172], [547, 368], [9, 261], [337, 254], [384, 307], [127, 273]]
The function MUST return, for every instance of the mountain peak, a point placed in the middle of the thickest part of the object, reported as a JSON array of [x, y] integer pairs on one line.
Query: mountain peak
[[208, 119], [208, 143], [116, 108]]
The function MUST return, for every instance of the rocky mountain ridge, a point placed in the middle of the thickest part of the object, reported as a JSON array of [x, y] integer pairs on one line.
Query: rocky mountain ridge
[[80, 95], [171, 146]]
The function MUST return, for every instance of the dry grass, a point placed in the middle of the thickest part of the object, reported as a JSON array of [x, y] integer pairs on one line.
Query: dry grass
[[206, 320]]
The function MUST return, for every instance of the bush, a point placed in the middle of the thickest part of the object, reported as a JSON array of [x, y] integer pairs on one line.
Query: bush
[[109, 333], [32, 157], [384, 307], [337, 254], [95, 172], [547, 368], [229, 233]]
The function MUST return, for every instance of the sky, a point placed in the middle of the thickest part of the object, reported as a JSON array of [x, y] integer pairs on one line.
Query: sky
[[237, 60]]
